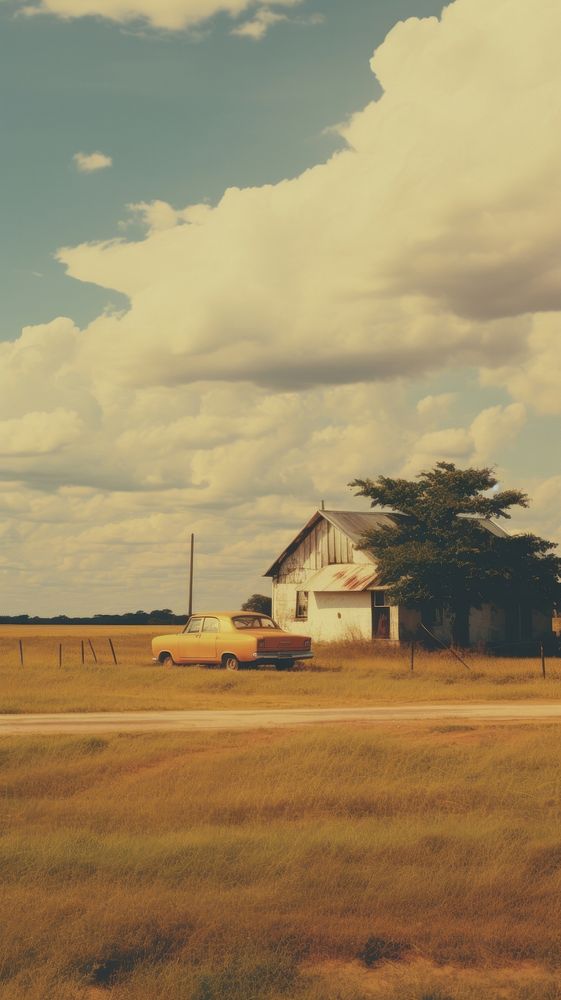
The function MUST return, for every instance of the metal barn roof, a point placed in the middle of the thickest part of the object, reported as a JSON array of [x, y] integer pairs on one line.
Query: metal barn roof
[[352, 523], [355, 524]]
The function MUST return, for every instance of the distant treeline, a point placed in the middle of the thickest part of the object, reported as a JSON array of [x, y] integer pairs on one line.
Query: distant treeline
[[162, 617]]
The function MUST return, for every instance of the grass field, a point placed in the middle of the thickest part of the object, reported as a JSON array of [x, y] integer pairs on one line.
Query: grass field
[[413, 863], [341, 674]]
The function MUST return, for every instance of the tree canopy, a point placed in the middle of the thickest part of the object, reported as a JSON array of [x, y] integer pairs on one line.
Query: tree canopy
[[258, 602], [446, 550]]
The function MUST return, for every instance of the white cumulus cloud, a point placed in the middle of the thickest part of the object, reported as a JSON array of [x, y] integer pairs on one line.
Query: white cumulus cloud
[[435, 407], [430, 240], [488, 436], [171, 15], [88, 163], [534, 378], [39, 433], [258, 26]]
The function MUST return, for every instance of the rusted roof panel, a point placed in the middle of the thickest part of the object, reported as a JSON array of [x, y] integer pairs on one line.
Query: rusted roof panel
[[343, 576]]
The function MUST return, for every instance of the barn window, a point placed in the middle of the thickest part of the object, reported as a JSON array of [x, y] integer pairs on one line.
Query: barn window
[[380, 615], [301, 603]]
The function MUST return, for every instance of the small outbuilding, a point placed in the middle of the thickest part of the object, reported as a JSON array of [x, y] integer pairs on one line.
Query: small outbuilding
[[324, 585]]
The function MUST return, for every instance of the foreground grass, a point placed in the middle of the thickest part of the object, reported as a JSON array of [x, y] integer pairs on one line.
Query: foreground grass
[[341, 674], [268, 866]]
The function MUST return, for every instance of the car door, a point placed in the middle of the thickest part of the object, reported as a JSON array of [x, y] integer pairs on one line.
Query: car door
[[209, 635], [188, 643]]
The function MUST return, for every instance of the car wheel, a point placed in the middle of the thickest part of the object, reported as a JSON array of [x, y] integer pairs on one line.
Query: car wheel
[[285, 664], [168, 661], [231, 662]]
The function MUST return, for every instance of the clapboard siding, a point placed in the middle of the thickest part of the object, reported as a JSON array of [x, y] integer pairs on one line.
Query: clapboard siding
[[324, 545]]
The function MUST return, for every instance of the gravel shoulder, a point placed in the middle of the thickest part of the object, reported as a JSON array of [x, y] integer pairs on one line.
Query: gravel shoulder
[[190, 721]]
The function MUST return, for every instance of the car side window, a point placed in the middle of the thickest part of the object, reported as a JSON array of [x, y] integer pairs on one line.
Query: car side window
[[194, 625], [211, 625]]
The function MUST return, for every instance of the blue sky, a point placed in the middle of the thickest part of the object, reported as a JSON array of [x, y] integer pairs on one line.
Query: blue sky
[[332, 269]]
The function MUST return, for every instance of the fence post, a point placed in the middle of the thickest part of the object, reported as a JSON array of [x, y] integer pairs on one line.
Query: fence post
[[21, 651], [542, 653], [112, 650], [82, 652], [93, 650], [60, 654], [412, 658]]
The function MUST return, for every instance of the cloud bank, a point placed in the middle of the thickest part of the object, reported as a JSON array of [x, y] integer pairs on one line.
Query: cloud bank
[[282, 342], [170, 15]]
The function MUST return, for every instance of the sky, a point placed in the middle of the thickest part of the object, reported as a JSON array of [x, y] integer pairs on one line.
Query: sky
[[249, 252]]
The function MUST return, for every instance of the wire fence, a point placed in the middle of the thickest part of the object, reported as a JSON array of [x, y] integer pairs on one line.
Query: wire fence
[[65, 652], [76, 651], [539, 649]]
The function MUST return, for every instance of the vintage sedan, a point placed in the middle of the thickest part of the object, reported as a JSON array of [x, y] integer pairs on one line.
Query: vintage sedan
[[231, 639]]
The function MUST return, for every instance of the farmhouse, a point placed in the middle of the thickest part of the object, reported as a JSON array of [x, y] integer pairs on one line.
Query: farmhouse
[[326, 587]]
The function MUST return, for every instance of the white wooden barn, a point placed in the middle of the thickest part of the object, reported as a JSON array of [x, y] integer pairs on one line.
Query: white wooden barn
[[326, 587]]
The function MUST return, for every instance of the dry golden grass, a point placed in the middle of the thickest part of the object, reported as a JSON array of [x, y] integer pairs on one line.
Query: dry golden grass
[[15, 632], [341, 674], [274, 865]]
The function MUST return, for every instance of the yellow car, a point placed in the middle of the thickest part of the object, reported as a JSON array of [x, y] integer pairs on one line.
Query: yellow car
[[231, 639]]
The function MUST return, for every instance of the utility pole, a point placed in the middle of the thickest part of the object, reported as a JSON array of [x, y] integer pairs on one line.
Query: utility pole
[[191, 576]]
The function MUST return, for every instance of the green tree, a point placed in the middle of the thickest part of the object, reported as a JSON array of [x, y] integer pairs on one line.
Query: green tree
[[444, 551], [258, 602]]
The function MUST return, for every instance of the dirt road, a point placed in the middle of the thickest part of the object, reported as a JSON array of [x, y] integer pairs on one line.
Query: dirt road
[[190, 721]]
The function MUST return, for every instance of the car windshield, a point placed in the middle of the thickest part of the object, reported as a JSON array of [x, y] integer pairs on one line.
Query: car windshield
[[193, 625], [253, 621]]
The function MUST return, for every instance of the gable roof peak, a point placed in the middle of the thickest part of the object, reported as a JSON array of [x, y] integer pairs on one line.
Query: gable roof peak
[[352, 523]]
